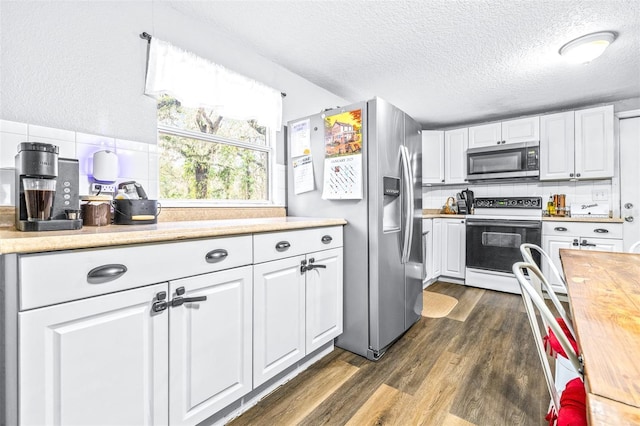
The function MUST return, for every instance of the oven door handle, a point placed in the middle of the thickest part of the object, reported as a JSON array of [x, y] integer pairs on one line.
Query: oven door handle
[[510, 223]]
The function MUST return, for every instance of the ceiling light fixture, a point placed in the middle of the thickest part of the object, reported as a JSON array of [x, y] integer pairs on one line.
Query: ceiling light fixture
[[586, 48]]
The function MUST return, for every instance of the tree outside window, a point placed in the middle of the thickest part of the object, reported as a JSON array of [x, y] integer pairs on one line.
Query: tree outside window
[[204, 155]]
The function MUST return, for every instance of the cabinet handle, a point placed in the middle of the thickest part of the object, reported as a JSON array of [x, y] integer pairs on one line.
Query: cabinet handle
[[179, 300], [326, 239], [498, 142], [601, 231], [570, 174], [577, 174], [105, 273], [283, 246], [575, 242], [217, 255], [560, 229], [312, 266]]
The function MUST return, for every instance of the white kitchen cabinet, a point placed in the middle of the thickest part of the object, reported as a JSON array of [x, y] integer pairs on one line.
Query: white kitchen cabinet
[[323, 309], [594, 143], [557, 158], [453, 248], [278, 316], [210, 356], [455, 155], [427, 251], [577, 144], [101, 360], [577, 236], [433, 155], [437, 247], [297, 298], [505, 132]]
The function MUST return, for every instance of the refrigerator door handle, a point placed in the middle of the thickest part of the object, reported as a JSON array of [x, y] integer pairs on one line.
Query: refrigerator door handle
[[408, 198], [410, 220]]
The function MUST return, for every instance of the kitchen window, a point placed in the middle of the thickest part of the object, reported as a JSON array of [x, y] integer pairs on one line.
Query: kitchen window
[[216, 129], [204, 155]]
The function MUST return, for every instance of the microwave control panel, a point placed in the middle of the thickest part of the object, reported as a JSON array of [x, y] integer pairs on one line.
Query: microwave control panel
[[532, 159]]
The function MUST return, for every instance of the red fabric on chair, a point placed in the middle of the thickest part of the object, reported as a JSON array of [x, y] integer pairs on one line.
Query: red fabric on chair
[[551, 342], [573, 404]]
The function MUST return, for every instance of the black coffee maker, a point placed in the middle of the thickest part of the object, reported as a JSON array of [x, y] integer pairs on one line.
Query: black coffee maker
[[46, 189]]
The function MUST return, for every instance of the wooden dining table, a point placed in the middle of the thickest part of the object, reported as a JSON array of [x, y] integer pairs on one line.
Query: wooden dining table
[[604, 298]]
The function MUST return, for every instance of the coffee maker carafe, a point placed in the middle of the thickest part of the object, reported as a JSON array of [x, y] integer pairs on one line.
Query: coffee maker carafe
[[46, 187]]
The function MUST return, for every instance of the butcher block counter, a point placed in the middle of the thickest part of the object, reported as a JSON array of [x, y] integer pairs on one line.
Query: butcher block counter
[[12, 241], [604, 295]]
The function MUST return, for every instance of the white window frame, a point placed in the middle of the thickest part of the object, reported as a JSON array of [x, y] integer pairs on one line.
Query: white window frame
[[269, 148]]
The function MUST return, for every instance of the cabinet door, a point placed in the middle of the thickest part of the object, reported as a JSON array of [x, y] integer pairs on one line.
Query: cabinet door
[[485, 135], [552, 245], [427, 249], [557, 146], [521, 130], [210, 352], [432, 156], [600, 244], [437, 248], [454, 243], [324, 298], [594, 142], [278, 317], [101, 360], [455, 148]]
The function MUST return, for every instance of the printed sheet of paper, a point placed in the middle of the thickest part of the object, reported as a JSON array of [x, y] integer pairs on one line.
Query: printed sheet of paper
[[343, 156], [343, 178], [300, 138], [303, 174]]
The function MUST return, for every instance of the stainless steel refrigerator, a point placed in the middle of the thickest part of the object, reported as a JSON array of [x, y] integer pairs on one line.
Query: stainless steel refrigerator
[[382, 241]]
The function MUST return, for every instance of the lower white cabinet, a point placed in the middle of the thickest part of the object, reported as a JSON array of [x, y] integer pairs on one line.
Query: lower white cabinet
[[577, 236], [210, 344], [427, 250], [437, 247], [297, 309], [453, 248], [101, 360]]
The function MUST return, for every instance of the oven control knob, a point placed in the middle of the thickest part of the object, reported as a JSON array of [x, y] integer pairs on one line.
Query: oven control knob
[[527, 202]]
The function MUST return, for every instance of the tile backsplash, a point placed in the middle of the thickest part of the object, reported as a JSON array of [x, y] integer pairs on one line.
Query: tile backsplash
[[577, 192], [137, 160]]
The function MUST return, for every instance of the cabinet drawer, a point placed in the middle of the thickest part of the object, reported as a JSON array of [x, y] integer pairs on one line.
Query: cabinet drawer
[[51, 278], [280, 245], [583, 229]]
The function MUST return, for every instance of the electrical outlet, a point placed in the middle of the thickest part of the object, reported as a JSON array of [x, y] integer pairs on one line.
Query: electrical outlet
[[100, 187], [599, 195]]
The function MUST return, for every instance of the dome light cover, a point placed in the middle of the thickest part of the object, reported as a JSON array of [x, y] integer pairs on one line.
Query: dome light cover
[[586, 48]]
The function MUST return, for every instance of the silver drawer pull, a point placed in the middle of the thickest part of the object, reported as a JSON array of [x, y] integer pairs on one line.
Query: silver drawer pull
[[601, 231], [283, 246], [326, 239], [105, 273], [217, 255], [560, 229]]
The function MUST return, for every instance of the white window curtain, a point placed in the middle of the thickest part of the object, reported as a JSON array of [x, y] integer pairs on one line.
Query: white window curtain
[[196, 82]]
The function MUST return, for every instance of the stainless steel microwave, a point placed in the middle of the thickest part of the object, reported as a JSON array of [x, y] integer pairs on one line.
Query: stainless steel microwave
[[511, 161]]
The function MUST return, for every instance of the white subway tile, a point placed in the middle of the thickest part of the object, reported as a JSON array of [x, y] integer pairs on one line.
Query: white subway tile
[[153, 168], [102, 141], [84, 187], [493, 191], [13, 127], [7, 187], [134, 165], [132, 145], [36, 132], [9, 148], [153, 148]]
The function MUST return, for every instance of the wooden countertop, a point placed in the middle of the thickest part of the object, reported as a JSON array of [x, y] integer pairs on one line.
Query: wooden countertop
[[583, 219], [604, 294], [12, 241]]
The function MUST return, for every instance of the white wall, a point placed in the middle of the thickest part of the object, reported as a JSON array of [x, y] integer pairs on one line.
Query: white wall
[[79, 67]]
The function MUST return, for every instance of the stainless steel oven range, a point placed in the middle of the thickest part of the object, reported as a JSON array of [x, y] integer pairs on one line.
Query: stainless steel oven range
[[493, 236]]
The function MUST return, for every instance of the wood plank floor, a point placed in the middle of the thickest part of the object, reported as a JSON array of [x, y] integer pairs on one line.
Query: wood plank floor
[[476, 366]]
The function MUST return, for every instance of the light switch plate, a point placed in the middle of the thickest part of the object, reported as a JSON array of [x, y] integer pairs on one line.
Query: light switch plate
[[599, 195]]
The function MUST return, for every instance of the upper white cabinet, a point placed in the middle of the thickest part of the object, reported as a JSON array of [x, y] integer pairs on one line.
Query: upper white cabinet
[[511, 131], [432, 156], [455, 155], [577, 145]]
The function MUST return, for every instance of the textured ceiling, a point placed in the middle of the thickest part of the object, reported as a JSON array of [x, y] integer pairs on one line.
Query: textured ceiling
[[444, 62]]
